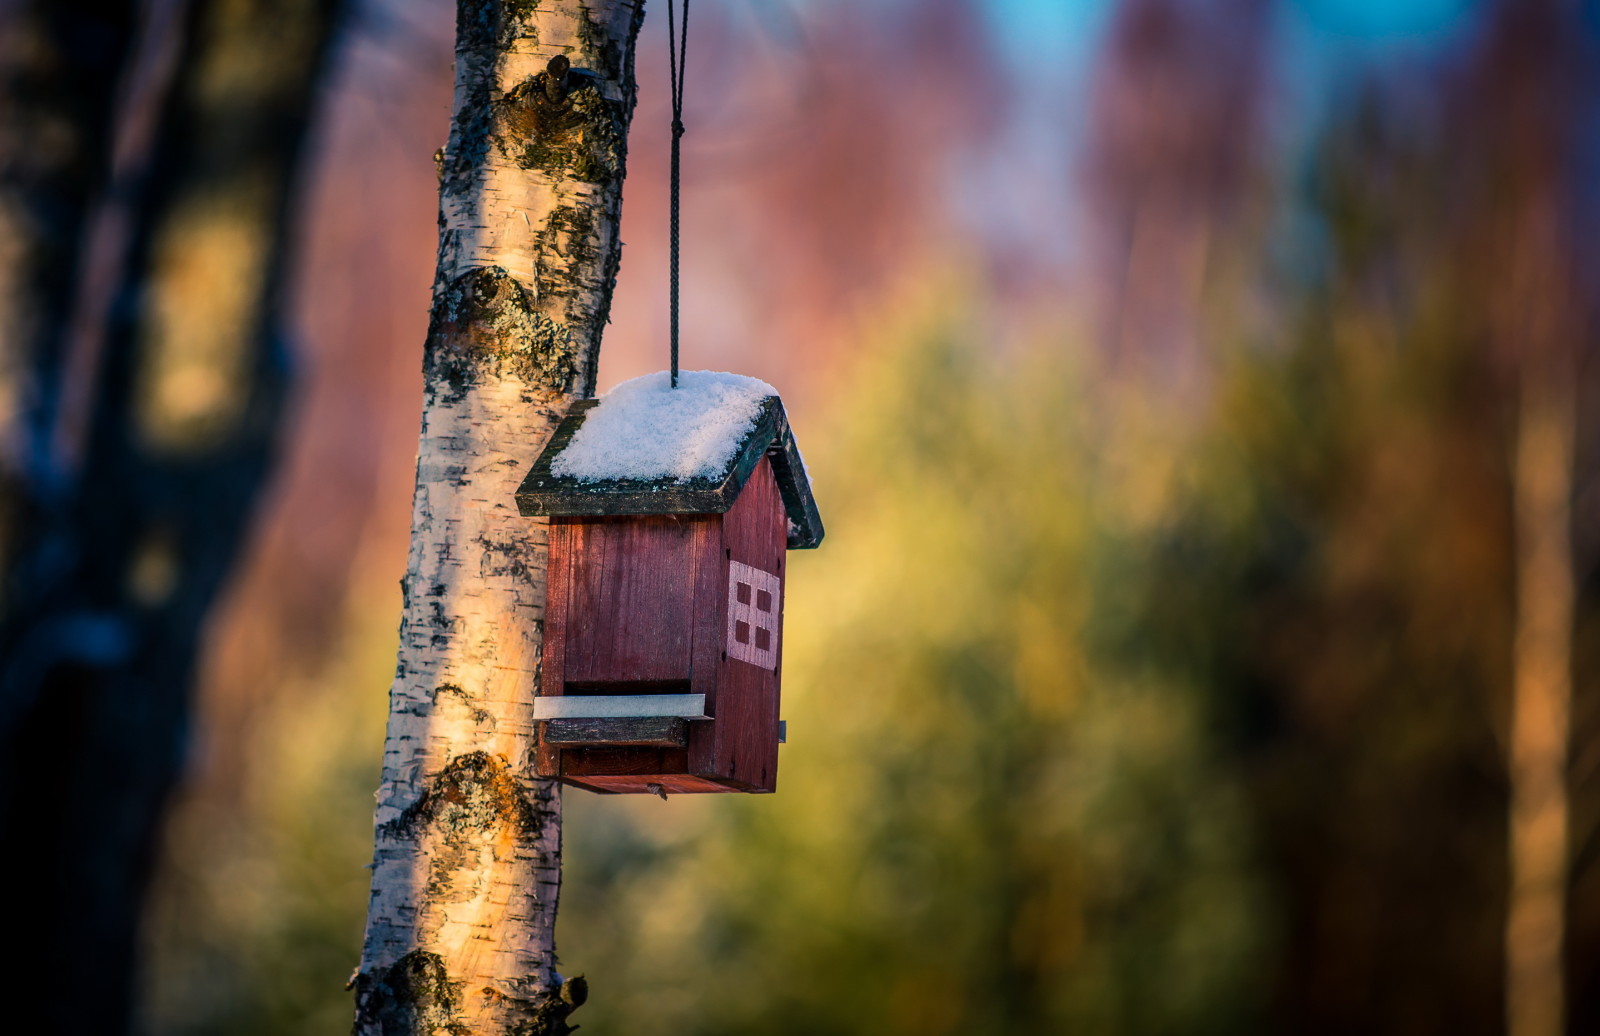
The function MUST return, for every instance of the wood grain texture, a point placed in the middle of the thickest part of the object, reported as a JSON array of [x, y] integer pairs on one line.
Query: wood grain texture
[[631, 598], [552, 669], [705, 668], [623, 761], [746, 748], [666, 731]]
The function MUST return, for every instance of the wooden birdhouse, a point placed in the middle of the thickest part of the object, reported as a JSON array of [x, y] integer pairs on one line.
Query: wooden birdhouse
[[670, 514]]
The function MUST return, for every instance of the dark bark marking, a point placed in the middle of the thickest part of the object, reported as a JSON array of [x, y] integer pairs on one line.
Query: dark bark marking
[[509, 558], [478, 27], [450, 690], [473, 796], [494, 24], [516, 22], [544, 1014], [570, 233], [606, 51], [564, 126], [485, 324], [412, 995], [470, 802], [440, 623]]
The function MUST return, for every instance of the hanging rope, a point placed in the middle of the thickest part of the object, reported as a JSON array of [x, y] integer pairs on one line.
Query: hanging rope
[[677, 49]]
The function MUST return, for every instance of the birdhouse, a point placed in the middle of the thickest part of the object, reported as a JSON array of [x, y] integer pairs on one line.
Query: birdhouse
[[671, 510]]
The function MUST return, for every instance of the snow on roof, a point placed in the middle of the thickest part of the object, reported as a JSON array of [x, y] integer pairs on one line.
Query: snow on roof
[[645, 429]]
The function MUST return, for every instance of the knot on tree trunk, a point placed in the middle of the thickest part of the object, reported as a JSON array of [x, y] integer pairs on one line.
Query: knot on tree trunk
[[414, 995], [485, 325], [475, 794], [559, 123]]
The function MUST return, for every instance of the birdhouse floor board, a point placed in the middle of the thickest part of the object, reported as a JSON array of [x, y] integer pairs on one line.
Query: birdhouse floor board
[[642, 765], [671, 783], [636, 730]]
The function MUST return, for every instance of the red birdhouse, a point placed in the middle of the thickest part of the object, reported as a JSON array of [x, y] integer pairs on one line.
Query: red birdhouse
[[670, 514]]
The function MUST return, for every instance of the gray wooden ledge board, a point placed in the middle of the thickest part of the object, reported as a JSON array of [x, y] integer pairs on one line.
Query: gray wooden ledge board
[[607, 706], [667, 731], [544, 493]]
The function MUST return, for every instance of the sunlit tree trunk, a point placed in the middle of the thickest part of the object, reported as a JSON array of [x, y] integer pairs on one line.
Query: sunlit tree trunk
[[466, 870], [1536, 319], [125, 544], [1541, 701]]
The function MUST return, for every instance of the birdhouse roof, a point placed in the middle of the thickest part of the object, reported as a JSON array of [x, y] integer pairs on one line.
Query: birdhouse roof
[[647, 448]]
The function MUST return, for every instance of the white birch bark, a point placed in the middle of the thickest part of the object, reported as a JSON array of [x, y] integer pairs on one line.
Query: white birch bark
[[466, 869]]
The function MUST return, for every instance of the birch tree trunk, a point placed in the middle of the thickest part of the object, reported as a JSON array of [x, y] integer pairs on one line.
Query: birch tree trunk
[[466, 867]]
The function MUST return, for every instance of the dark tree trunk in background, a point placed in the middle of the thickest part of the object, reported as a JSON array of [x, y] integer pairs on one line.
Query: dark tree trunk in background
[[120, 553], [58, 101], [1530, 100]]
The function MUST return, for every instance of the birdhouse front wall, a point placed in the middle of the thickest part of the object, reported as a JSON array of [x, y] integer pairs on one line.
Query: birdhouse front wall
[[631, 589], [625, 616]]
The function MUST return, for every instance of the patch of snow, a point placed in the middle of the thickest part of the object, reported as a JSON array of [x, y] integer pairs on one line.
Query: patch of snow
[[646, 429]]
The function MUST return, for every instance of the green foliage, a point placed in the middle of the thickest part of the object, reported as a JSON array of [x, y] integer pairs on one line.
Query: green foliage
[[1337, 583]]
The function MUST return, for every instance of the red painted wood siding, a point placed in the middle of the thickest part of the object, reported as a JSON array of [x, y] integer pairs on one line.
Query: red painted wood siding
[[746, 749], [631, 601]]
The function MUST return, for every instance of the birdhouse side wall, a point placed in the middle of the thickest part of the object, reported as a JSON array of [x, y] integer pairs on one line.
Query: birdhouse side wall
[[754, 534]]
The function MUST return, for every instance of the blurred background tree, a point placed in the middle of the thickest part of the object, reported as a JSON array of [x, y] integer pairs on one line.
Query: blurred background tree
[[143, 411], [1162, 365]]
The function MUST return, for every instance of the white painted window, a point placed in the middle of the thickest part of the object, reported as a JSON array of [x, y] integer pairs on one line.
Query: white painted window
[[753, 597]]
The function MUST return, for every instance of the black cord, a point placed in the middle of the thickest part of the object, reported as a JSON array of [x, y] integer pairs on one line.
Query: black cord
[[677, 50]]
